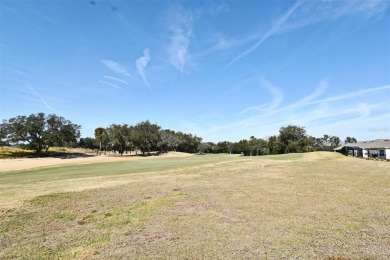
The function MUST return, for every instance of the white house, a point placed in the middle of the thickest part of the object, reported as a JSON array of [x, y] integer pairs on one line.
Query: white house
[[379, 148]]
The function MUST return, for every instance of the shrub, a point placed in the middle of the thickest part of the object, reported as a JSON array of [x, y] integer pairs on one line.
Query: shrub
[[26, 147]]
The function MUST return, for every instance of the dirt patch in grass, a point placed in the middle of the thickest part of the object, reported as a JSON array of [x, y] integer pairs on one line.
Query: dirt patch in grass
[[314, 209]]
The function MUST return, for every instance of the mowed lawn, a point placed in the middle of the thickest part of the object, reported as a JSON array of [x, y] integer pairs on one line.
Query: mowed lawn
[[310, 206]]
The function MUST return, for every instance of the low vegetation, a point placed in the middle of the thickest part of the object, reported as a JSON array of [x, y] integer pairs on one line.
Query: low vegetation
[[7, 152], [312, 206]]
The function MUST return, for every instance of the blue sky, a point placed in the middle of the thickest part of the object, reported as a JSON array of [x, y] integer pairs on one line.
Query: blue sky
[[223, 70]]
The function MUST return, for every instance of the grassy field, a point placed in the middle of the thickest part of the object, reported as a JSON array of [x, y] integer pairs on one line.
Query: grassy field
[[311, 206], [109, 168]]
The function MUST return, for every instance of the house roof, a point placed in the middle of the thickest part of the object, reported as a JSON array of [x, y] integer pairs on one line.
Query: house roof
[[378, 143]]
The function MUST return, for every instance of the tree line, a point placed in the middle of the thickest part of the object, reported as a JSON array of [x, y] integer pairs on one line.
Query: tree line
[[291, 139], [144, 136], [40, 132]]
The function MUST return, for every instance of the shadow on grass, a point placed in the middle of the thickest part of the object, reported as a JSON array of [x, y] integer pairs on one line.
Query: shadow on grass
[[147, 154], [73, 155], [15, 155], [51, 154]]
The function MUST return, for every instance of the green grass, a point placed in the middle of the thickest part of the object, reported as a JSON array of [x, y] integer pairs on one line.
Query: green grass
[[91, 228], [107, 169], [205, 207]]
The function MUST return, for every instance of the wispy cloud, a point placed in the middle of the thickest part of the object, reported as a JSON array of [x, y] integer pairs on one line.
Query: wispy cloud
[[313, 12], [350, 113], [116, 79], [273, 30], [350, 95], [277, 97], [320, 90], [116, 67], [141, 64], [41, 98], [108, 83], [310, 100], [276, 92], [43, 16], [214, 8], [181, 24], [303, 13]]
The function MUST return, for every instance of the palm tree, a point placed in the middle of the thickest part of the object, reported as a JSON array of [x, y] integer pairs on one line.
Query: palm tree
[[100, 135]]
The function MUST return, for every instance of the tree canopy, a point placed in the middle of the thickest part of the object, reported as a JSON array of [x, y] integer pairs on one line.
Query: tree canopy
[[350, 140], [145, 136], [293, 139], [40, 131]]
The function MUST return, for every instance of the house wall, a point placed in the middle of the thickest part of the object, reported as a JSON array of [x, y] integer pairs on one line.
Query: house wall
[[387, 154], [365, 153], [381, 153]]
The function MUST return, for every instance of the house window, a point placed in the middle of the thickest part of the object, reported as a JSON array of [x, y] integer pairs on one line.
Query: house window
[[382, 153], [373, 153]]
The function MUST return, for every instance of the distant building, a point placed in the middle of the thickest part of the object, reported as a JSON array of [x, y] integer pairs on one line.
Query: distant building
[[379, 148]]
